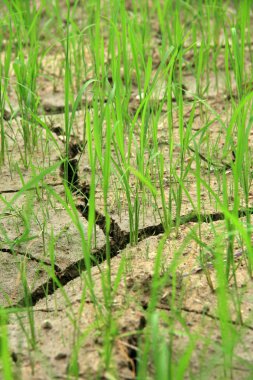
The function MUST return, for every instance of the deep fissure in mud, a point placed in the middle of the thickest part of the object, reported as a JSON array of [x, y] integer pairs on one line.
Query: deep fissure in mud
[[118, 238]]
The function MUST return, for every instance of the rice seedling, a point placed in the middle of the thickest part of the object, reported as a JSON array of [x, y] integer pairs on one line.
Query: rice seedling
[[126, 199]]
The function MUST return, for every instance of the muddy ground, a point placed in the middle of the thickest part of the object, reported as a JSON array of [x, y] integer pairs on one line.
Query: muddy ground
[[69, 325]]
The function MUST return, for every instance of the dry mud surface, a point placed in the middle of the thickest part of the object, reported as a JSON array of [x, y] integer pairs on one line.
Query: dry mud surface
[[53, 317], [71, 322]]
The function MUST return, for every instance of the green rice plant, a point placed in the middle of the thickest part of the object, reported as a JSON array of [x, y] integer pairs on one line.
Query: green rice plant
[[241, 123], [149, 346], [5, 357], [125, 54], [227, 330], [69, 119], [67, 97], [238, 62], [4, 80], [28, 306], [121, 138], [106, 180], [24, 18], [237, 224], [161, 352], [156, 286], [138, 57]]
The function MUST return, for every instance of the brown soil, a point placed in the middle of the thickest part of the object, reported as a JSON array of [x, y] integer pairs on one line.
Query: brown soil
[[67, 320], [194, 297]]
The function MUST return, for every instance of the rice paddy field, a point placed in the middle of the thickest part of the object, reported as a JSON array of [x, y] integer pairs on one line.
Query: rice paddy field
[[126, 194]]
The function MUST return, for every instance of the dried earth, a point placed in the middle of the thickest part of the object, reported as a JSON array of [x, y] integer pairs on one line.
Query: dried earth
[[71, 323]]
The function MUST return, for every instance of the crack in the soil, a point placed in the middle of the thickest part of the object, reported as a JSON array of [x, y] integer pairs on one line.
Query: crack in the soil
[[118, 241], [30, 257], [118, 238], [122, 239], [133, 344], [63, 276], [223, 166], [12, 191], [206, 313]]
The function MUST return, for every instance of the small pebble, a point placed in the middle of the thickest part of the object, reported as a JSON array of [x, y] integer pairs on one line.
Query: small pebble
[[47, 325], [60, 356]]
